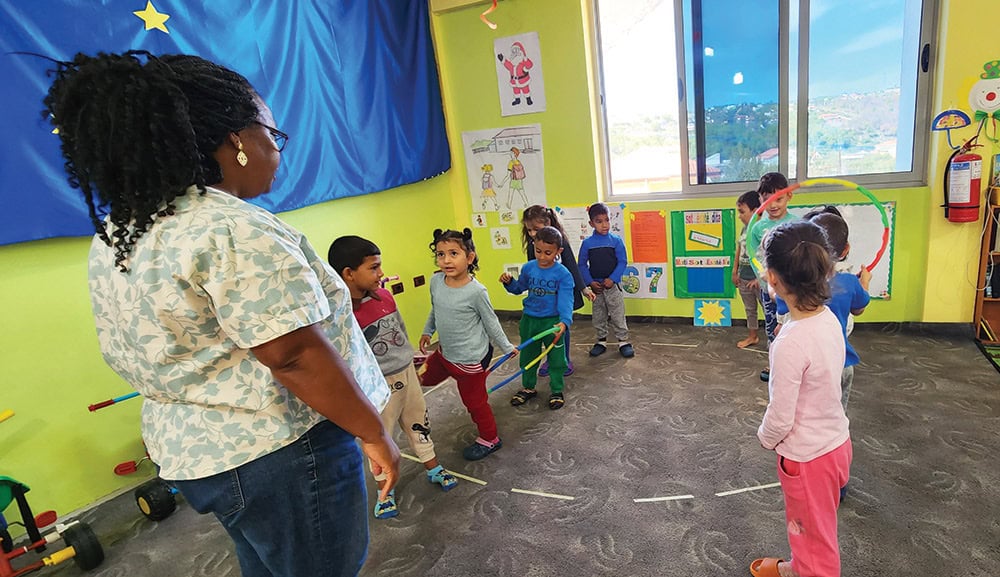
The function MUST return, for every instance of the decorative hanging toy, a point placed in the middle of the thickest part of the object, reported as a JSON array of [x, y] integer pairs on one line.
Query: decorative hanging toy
[[485, 20]]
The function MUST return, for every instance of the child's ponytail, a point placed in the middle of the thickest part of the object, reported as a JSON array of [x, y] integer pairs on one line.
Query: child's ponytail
[[799, 253]]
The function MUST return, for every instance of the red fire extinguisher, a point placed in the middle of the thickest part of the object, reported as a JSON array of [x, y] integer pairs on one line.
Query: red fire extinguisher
[[962, 186]]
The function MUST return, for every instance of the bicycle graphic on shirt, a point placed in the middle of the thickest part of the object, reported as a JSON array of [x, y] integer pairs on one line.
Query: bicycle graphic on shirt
[[382, 333]]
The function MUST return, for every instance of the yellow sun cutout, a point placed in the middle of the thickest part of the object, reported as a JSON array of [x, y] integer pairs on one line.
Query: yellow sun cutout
[[711, 313]]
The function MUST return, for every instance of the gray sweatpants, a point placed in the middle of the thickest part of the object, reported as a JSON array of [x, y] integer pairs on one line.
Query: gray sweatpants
[[846, 381], [609, 307]]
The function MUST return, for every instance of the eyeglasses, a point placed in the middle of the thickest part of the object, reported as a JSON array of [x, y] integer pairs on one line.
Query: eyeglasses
[[280, 138]]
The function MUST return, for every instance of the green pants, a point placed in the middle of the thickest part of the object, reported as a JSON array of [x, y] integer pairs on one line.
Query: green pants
[[531, 326]]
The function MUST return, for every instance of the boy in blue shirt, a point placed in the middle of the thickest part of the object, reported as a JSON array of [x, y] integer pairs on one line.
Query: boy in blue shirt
[[602, 262], [549, 303]]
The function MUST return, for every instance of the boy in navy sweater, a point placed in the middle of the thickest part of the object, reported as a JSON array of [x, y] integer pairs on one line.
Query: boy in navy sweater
[[549, 303], [602, 262]]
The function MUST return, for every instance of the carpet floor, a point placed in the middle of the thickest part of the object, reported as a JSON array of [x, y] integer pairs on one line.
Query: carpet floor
[[678, 420]]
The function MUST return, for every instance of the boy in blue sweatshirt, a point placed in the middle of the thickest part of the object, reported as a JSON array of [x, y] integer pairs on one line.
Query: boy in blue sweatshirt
[[602, 262], [549, 303]]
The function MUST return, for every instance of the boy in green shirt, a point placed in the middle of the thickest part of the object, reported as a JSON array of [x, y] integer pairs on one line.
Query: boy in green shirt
[[775, 214]]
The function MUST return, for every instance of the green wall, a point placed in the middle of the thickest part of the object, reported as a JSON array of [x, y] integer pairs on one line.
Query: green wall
[[465, 48], [53, 369]]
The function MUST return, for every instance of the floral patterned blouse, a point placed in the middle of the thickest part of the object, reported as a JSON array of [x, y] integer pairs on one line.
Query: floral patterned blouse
[[204, 285]]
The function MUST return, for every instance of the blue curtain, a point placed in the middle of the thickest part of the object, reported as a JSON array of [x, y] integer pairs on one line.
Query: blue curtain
[[354, 83]]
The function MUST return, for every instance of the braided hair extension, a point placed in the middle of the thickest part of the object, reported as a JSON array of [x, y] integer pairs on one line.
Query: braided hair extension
[[137, 132], [463, 239]]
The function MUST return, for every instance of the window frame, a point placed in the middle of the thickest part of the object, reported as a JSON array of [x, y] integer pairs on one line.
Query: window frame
[[921, 138]]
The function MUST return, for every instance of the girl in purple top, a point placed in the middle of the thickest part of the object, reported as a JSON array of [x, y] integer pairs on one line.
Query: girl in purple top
[[804, 422]]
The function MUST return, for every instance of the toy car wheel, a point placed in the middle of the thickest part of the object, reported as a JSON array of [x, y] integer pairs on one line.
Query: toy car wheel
[[156, 499], [7, 544], [89, 553]]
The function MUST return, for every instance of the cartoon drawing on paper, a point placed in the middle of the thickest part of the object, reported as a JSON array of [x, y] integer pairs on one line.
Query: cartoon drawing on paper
[[505, 169], [489, 194], [520, 81], [518, 64], [515, 175]]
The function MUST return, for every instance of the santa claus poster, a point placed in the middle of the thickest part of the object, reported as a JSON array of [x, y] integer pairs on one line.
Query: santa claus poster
[[518, 62]]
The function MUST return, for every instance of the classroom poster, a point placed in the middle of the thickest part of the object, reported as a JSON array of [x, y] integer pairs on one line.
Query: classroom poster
[[576, 223], [479, 220], [518, 62], [644, 281], [505, 168], [703, 246], [648, 233], [713, 313]]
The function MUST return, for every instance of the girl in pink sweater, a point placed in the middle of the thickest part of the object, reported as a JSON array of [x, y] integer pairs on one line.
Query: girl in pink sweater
[[805, 423]]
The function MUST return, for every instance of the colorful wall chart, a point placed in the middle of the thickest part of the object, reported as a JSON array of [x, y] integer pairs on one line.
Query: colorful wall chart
[[645, 281], [704, 243]]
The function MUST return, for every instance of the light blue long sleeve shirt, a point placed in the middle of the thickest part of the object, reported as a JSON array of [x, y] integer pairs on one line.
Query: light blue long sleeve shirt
[[465, 321]]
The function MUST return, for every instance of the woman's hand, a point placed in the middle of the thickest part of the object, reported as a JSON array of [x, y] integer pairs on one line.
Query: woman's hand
[[425, 340], [384, 456]]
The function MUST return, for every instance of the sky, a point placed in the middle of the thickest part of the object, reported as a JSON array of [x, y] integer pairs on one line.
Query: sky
[[855, 46]]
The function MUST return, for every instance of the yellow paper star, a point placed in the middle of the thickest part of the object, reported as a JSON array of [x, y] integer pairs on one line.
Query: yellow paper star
[[711, 312], [152, 18]]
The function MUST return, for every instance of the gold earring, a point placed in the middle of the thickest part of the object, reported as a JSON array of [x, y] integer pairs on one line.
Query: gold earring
[[241, 157]]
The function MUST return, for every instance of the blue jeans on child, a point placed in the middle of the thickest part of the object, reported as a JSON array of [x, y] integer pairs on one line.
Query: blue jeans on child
[[299, 511]]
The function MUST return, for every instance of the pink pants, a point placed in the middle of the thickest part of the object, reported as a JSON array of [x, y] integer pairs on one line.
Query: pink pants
[[471, 387], [812, 496]]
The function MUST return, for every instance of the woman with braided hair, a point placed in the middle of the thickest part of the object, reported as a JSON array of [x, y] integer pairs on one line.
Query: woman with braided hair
[[256, 379]]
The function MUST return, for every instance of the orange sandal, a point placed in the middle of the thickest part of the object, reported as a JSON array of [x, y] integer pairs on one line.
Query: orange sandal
[[765, 567]]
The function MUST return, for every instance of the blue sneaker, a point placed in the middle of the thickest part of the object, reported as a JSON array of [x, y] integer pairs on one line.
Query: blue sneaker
[[387, 509], [543, 371], [442, 477], [478, 450], [569, 369]]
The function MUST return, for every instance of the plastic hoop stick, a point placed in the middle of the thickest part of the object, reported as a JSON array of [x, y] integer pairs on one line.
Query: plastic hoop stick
[[110, 402], [521, 346], [835, 181], [506, 381]]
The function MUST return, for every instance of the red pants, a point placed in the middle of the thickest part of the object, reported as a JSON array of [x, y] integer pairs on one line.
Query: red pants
[[812, 495], [471, 387]]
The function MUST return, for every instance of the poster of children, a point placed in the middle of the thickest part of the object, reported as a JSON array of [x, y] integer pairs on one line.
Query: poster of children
[[505, 169], [518, 61]]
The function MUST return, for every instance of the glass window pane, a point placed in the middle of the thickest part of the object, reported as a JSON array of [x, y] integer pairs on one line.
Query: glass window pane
[[863, 58], [639, 74], [732, 89]]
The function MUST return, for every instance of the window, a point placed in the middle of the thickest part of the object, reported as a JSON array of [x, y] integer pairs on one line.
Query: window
[[704, 96]]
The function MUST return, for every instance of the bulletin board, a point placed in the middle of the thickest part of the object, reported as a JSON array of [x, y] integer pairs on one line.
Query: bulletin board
[[865, 228], [703, 243]]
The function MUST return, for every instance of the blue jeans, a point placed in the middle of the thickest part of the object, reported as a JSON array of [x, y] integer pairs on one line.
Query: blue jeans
[[300, 511]]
